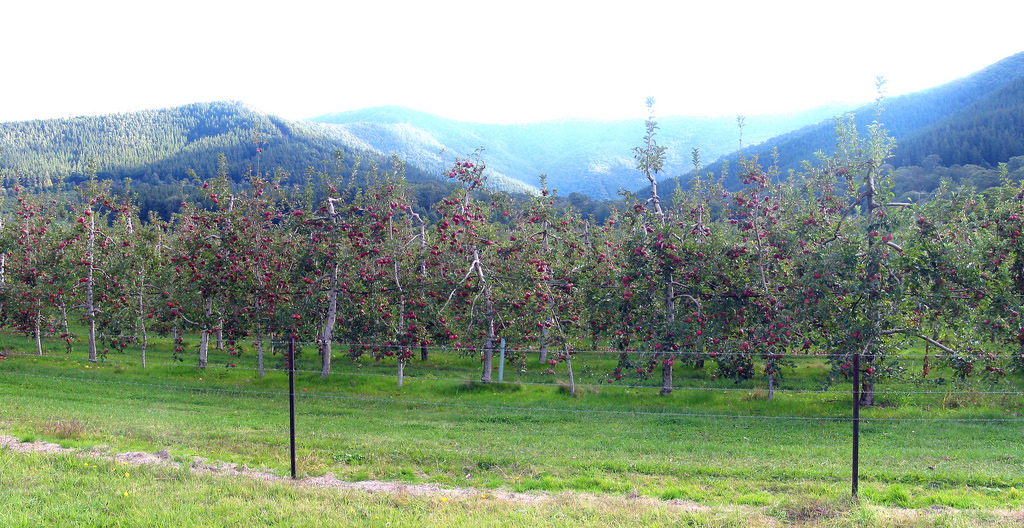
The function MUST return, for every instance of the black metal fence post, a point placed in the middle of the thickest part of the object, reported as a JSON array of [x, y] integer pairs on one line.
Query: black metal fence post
[[291, 398], [856, 421]]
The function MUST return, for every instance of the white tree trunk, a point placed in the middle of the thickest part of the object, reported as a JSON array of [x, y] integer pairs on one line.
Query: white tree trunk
[[544, 334], [572, 379], [487, 375], [204, 337], [327, 337], [90, 306], [39, 333], [259, 352]]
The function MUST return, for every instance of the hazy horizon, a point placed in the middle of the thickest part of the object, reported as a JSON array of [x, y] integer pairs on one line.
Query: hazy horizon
[[463, 60]]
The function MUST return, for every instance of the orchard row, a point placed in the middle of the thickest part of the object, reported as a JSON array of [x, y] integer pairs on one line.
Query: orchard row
[[819, 261]]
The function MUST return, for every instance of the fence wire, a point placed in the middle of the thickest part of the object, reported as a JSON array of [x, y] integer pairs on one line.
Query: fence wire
[[507, 408]]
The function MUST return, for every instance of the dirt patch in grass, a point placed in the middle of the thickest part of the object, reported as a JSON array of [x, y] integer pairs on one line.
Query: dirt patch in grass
[[811, 513], [141, 458], [396, 488], [201, 465], [32, 447]]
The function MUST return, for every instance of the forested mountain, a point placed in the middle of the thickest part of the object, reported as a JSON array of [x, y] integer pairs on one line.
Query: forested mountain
[[970, 124], [985, 133], [159, 148], [591, 157], [959, 132]]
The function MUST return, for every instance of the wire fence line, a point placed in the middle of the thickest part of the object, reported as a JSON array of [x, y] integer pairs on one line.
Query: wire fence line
[[723, 351], [509, 408], [410, 374]]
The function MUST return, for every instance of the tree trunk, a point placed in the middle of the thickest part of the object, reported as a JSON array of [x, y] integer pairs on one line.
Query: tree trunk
[[543, 358], [572, 380], [64, 318], [90, 307], [204, 346], [3, 270], [670, 319], [867, 392], [142, 321], [92, 339], [771, 386], [204, 337], [39, 333], [327, 337], [424, 353], [259, 352], [489, 345], [872, 272], [401, 372], [145, 341], [666, 378], [544, 332]]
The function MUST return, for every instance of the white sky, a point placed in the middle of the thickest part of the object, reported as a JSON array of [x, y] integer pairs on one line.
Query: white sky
[[488, 61]]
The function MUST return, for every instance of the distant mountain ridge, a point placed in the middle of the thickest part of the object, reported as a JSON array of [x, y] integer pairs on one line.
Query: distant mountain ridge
[[158, 149], [592, 157], [977, 119], [162, 146]]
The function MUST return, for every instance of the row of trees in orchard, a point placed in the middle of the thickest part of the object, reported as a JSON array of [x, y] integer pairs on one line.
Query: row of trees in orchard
[[819, 261]]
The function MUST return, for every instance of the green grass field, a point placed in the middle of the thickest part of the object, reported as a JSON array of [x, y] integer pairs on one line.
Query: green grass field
[[711, 454]]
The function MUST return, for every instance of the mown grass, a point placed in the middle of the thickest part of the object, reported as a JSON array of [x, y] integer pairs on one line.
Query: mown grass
[[68, 490], [714, 444]]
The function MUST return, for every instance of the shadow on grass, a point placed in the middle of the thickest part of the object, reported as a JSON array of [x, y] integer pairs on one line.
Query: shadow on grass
[[478, 387]]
